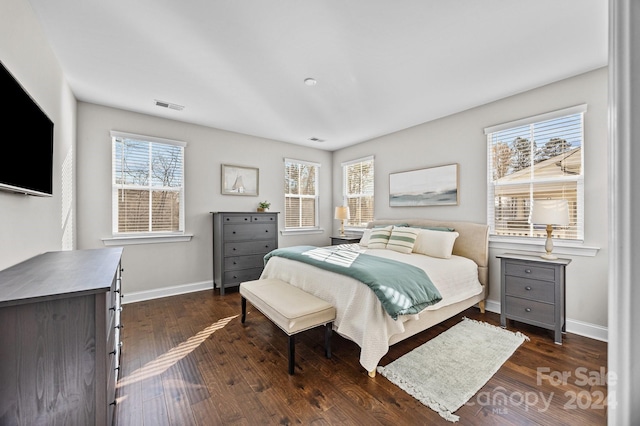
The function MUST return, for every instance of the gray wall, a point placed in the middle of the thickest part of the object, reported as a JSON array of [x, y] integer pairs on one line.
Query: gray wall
[[155, 266], [459, 138], [33, 225]]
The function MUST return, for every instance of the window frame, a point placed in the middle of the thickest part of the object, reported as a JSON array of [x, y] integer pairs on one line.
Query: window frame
[[149, 235], [316, 197], [578, 179], [346, 196]]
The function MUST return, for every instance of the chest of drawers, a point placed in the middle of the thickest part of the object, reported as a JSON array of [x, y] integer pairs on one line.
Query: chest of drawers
[[240, 241], [59, 340], [533, 291]]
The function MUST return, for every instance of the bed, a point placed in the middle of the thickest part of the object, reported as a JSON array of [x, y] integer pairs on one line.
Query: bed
[[453, 254]]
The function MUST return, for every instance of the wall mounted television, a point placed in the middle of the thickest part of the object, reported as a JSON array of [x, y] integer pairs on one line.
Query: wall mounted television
[[27, 147]]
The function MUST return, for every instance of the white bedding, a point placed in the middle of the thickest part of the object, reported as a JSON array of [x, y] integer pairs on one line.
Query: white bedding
[[360, 316]]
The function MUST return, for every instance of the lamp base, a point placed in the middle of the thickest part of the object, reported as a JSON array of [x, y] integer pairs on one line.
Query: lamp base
[[548, 256]]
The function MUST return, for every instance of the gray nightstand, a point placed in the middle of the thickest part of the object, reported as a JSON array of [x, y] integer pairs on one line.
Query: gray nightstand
[[347, 239], [533, 291]]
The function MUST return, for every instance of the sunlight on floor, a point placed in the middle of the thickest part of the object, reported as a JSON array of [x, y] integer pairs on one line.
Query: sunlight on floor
[[170, 358]]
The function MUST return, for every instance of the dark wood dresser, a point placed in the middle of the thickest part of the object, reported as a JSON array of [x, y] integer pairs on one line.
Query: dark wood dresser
[[240, 241], [59, 339]]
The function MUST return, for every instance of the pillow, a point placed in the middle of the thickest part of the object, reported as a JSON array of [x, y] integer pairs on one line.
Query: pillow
[[379, 237], [436, 228], [364, 240], [435, 243], [402, 239]]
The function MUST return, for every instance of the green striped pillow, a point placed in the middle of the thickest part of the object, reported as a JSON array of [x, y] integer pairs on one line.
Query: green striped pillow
[[379, 237], [402, 239]]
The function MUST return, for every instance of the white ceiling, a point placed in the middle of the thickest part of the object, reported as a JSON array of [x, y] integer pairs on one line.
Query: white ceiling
[[380, 65]]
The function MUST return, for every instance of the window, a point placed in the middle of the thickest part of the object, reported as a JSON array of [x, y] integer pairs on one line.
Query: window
[[358, 190], [301, 194], [536, 158], [148, 185]]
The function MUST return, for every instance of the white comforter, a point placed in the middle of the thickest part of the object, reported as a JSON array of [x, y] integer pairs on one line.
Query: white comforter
[[360, 316]]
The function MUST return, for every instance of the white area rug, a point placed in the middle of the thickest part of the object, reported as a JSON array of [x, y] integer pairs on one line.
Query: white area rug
[[449, 369]]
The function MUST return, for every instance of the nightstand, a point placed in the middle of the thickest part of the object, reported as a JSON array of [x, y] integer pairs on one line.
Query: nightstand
[[532, 290], [347, 239]]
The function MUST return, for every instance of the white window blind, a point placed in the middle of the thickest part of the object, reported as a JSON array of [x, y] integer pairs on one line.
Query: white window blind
[[301, 194], [358, 180], [536, 158], [148, 184]]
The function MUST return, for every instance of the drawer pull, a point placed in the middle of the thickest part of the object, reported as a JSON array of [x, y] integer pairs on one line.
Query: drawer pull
[[528, 271], [528, 288], [234, 249], [235, 263], [266, 230], [234, 232], [527, 309]]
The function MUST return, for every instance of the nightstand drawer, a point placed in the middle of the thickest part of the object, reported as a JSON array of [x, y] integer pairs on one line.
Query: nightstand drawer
[[542, 291], [530, 311], [521, 269]]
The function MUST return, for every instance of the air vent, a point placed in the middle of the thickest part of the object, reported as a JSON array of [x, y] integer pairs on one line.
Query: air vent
[[169, 105], [316, 140]]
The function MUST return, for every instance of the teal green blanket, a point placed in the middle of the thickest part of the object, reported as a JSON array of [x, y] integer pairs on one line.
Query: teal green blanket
[[402, 289]]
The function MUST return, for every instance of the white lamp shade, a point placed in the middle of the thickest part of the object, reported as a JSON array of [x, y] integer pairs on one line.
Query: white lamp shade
[[342, 213], [550, 212]]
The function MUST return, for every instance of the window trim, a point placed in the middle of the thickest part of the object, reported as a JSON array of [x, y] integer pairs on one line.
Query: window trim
[[304, 229], [126, 238], [344, 165], [516, 242]]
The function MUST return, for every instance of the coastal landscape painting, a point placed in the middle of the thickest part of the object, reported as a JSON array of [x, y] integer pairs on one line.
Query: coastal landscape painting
[[433, 186]]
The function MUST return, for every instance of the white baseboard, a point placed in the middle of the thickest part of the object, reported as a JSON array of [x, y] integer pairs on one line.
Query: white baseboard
[[592, 331], [157, 293]]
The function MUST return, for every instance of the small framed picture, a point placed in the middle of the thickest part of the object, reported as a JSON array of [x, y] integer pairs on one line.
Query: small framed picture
[[240, 180]]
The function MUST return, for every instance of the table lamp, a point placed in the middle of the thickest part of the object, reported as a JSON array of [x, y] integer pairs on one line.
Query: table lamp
[[342, 214], [550, 213]]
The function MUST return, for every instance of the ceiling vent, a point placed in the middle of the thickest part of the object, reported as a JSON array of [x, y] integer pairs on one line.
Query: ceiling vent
[[169, 105], [316, 140]]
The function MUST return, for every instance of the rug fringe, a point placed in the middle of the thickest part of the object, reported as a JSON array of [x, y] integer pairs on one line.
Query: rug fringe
[[486, 324]]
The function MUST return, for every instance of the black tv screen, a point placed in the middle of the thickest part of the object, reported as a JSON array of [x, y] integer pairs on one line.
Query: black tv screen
[[27, 148]]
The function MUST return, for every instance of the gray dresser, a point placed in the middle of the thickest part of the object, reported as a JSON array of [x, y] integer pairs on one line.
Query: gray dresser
[[240, 241], [533, 291], [59, 340]]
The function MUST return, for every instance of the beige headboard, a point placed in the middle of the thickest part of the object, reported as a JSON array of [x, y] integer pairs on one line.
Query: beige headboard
[[473, 241]]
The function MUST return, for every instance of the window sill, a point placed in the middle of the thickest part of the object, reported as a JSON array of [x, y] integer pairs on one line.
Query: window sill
[[146, 239], [568, 248], [302, 231]]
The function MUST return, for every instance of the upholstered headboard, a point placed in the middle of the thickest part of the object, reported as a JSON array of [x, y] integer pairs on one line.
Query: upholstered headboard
[[472, 243]]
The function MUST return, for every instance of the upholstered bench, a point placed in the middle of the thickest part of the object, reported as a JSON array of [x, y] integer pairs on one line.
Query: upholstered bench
[[290, 308]]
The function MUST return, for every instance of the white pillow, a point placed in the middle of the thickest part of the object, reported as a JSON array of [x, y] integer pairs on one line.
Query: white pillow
[[364, 241], [402, 239], [379, 237], [435, 243]]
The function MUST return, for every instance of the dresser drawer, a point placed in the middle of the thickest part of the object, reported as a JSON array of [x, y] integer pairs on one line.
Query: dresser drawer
[[264, 218], [249, 247], [237, 218], [252, 231], [530, 311], [522, 269], [543, 291], [243, 262], [242, 275]]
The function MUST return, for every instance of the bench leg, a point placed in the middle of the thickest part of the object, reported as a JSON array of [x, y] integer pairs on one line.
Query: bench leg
[[243, 302], [327, 339], [292, 353]]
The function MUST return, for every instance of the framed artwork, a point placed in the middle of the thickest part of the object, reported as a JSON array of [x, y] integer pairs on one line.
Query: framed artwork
[[433, 186], [239, 180]]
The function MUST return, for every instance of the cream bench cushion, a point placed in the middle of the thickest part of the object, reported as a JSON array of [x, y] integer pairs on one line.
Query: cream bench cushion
[[293, 310]]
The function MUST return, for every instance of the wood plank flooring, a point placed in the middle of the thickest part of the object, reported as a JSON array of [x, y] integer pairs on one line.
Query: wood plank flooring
[[187, 360]]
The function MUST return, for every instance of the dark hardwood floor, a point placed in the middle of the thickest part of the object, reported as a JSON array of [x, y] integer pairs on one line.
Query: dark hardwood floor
[[187, 360]]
